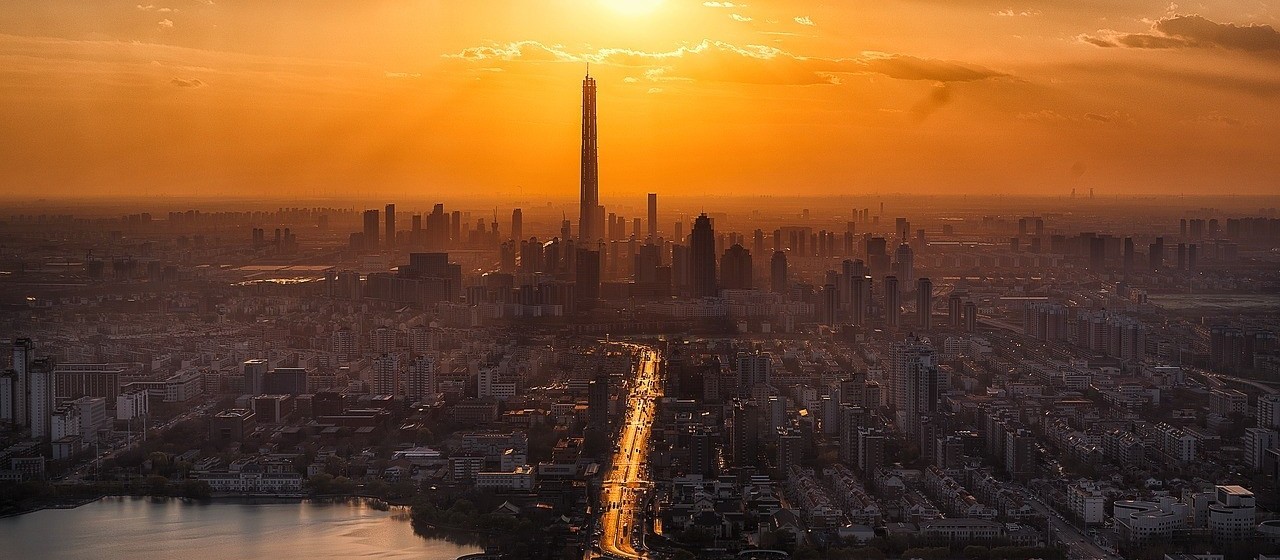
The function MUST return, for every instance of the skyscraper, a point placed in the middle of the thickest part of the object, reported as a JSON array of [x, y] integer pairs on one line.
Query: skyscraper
[[905, 266], [588, 229], [913, 371], [735, 268], [391, 225], [653, 216], [517, 224], [924, 304], [892, 302], [370, 229], [778, 273], [702, 257]]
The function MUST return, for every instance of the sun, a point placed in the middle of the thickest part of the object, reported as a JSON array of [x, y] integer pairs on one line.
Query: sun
[[633, 7]]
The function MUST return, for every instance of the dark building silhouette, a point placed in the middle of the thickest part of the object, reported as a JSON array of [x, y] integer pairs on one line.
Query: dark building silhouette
[[778, 273], [735, 268], [391, 225], [653, 217], [517, 225], [924, 304], [892, 302], [702, 258], [588, 228], [371, 226], [587, 279]]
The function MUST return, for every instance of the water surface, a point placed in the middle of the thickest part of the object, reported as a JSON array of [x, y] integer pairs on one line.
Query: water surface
[[127, 528]]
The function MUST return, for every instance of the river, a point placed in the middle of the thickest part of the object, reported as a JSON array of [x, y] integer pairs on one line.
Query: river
[[128, 528]]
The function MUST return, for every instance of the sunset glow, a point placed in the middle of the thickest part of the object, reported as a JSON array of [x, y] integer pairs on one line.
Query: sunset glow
[[703, 97]]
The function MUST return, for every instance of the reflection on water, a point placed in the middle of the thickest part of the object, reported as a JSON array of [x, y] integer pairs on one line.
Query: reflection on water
[[126, 528]]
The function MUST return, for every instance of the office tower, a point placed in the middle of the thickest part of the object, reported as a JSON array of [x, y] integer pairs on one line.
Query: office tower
[[745, 436], [371, 229], [861, 288], [422, 377], [905, 266], [255, 375], [588, 228], [892, 302], [653, 216], [778, 273], [587, 276], [386, 374], [913, 372], [681, 277], [1156, 254], [635, 228], [955, 310], [391, 225], [735, 268], [517, 225], [702, 258], [415, 229], [455, 233], [970, 316], [1129, 258], [924, 304], [1191, 257], [877, 255], [598, 403]]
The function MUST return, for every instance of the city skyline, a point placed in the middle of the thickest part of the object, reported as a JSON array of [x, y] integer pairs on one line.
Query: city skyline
[[703, 98]]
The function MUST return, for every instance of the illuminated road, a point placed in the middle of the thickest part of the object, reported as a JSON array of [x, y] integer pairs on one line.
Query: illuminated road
[[622, 495]]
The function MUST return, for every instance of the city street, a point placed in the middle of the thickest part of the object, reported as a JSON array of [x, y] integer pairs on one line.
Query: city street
[[622, 495]]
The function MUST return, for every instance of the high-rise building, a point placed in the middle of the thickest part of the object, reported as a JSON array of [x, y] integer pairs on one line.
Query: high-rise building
[[391, 225], [745, 437], [589, 229], [371, 226], [598, 403], [702, 258], [23, 356], [517, 225], [653, 217], [754, 368], [892, 302], [955, 310], [778, 273], [905, 266], [255, 375], [386, 374], [924, 304], [861, 288], [913, 373], [422, 377], [40, 397], [587, 276], [735, 268]]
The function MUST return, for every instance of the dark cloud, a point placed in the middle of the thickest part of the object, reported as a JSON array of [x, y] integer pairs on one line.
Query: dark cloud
[[937, 98], [1193, 31], [192, 83], [720, 61]]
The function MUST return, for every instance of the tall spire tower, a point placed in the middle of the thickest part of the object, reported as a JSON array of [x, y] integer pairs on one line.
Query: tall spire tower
[[588, 229]]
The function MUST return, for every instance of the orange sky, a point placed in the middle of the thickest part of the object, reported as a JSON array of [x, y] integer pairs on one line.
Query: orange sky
[[400, 98]]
